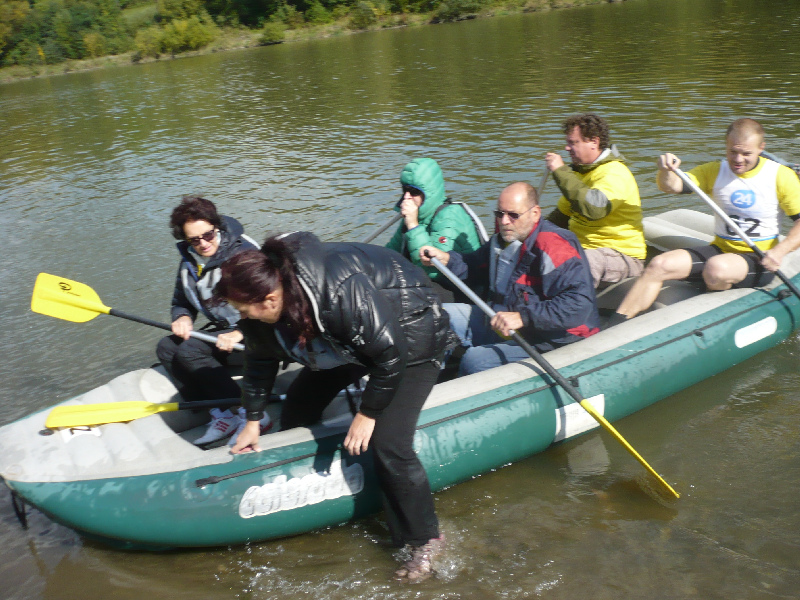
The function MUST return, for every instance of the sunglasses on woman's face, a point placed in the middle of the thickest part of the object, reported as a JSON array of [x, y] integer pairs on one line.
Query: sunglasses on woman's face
[[407, 189], [208, 236]]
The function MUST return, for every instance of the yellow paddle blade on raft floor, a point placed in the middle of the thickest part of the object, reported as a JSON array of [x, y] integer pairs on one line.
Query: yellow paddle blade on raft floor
[[110, 412]]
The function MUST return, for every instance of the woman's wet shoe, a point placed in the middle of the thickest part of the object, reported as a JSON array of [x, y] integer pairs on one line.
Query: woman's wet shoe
[[420, 566]]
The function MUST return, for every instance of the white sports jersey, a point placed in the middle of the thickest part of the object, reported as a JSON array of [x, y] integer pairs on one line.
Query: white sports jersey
[[751, 203]]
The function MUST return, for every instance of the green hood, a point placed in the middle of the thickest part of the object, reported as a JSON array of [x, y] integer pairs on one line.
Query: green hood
[[425, 174]]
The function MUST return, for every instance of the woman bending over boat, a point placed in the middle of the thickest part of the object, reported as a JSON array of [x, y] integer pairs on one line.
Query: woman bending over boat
[[205, 240], [345, 311]]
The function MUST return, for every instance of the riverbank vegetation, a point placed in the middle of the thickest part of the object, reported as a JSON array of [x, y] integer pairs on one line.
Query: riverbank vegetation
[[43, 37]]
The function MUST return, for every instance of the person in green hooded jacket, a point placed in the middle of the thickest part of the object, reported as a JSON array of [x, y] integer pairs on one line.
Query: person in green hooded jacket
[[431, 219]]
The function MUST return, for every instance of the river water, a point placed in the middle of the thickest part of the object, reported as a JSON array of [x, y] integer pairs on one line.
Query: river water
[[313, 135]]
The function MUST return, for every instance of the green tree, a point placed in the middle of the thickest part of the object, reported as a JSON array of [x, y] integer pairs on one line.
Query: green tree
[[180, 35], [362, 16], [317, 14], [148, 41], [95, 44], [12, 14], [178, 9], [247, 12], [273, 32]]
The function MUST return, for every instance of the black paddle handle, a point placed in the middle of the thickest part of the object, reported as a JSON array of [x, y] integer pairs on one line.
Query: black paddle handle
[[212, 339], [123, 315], [382, 228], [203, 404]]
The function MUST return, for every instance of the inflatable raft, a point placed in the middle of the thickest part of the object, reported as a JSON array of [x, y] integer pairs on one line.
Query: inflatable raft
[[143, 484]]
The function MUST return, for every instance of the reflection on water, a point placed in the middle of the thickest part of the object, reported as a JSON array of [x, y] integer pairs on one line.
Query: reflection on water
[[313, 135]]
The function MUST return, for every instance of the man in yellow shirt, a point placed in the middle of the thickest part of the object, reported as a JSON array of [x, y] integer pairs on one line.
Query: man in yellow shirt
[[601, 204], [751, 190]]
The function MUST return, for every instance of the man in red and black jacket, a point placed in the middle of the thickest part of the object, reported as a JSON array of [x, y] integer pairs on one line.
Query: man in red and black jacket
[[539, 281]]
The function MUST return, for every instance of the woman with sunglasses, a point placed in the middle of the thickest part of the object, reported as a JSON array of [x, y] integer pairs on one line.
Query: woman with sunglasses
[[345, 311], [206, 240], [431, 219]]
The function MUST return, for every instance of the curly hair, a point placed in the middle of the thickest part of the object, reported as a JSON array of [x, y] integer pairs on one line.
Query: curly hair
[[250, 276], [193, 208], [590, 126]]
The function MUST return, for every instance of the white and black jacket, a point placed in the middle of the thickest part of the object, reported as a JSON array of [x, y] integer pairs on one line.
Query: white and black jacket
[[185, 299]]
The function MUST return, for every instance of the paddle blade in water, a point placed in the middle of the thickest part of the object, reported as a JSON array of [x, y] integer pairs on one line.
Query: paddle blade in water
[[98, 414], [66, 299]]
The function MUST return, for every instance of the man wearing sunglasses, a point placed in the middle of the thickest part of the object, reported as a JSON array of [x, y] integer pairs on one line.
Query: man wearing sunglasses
[[539, 282], [600, 202], [429, 218]]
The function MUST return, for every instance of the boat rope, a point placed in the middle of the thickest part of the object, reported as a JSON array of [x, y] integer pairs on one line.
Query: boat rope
[[698, 331], [18, 502], [217, 478]]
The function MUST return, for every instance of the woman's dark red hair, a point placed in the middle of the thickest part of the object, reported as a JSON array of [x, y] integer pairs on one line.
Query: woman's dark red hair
[[250, 276]]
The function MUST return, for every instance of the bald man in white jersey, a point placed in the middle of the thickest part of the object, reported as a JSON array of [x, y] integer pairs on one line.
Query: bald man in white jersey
[[751, 190]]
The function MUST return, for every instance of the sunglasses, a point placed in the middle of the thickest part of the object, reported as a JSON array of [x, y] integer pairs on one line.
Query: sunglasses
[[208, 236], [511, 215], [412, 190]]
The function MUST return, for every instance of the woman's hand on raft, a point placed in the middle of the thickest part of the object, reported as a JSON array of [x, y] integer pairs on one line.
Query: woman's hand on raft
[[359, 435], [248, 439], [225, 341]]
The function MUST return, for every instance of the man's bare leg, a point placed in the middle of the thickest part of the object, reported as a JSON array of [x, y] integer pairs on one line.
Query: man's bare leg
[[723, 270], [676, 264]]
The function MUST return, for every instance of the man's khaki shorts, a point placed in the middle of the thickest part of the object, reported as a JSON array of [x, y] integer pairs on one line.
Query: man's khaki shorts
[[610, 266]]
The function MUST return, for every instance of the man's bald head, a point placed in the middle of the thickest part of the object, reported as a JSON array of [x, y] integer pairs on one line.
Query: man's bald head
[[517, 211], [743, 129], [524, 191]]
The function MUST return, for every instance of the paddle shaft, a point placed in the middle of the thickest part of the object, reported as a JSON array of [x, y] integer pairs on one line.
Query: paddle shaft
[[552, 372], [198, 404], [732, 225], [549, 369], [382, 228], [542, 183], [195, 334]]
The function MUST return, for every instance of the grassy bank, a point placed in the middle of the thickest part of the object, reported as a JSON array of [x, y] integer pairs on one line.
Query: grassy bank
[[233, 38]]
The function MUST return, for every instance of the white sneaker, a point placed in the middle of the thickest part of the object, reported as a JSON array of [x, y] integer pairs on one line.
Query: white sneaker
[[223, 424], [265, 423]]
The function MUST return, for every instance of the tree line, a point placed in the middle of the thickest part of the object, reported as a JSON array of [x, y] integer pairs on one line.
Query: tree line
[[37, 32]]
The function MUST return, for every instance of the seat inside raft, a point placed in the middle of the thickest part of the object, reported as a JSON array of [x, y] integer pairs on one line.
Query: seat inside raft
[[680, 228]]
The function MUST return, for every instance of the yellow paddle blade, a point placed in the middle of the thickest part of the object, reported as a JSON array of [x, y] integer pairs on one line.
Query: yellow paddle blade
[[610, 429], [66, 299], [110, 412]]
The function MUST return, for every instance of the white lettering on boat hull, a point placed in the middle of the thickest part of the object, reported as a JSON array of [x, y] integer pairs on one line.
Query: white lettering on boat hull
[[572, 419], [755, 332], [286, 494]]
